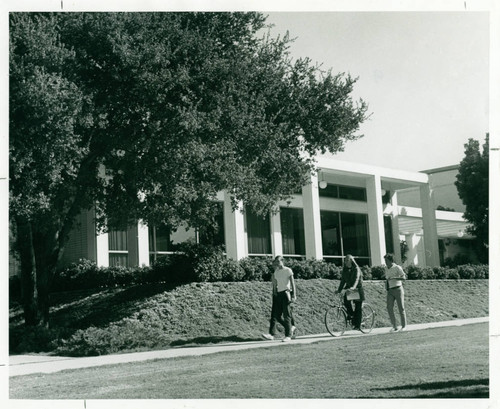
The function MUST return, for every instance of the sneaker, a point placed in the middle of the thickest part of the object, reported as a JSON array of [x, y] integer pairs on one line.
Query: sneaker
[[268, 336], [393, 330], [402, 329], [286, 339], [294, 330]]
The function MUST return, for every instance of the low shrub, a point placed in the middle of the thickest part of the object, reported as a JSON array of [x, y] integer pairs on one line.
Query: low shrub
[[453, 274], [200, 263], [441, 273], [334, 272], [366, 272], [256, 269], [83, 274], [482, 271], [378, 272], [218, 268], [414, 272], [466, 271], [25, 339]]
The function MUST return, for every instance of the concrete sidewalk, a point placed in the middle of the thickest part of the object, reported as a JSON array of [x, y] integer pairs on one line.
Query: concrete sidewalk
[[30, 364]]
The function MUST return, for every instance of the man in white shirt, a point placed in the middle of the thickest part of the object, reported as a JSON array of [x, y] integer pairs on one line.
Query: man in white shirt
[[395, 276], [284, 293]]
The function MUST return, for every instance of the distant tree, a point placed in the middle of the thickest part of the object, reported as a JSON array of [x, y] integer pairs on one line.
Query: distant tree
[[472, 185], [149, 115]]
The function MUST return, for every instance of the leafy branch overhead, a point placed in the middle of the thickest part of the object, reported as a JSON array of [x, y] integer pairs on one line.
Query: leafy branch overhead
[[149, 115], [175, 105]]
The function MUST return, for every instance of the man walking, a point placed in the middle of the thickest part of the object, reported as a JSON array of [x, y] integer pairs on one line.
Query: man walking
[[395, 276], [284, 293]]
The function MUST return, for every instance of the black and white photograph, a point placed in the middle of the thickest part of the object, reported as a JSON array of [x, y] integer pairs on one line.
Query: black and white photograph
[[219, 204]]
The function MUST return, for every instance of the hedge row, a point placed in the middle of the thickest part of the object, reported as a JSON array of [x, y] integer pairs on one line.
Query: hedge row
[[205, 264]]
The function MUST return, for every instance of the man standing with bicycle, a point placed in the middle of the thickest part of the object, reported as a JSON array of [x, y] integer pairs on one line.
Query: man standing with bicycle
[[352, 281]]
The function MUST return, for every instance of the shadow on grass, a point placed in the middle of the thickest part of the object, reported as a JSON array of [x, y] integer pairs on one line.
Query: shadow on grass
[[81, 309], [116, 304], [208, 341], [466, 388]]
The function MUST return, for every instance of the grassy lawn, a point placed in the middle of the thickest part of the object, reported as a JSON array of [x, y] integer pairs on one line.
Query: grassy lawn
[[159, 316], [450, 362]]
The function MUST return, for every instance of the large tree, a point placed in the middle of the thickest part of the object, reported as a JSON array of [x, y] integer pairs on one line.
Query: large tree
[[472, 185], [149, 115]]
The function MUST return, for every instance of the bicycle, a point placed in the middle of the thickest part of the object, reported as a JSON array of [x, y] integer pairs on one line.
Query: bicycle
[[337, 320]]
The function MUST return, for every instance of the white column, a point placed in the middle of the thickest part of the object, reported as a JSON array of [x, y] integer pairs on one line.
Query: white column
[[395, 227], [234, 228], [413, 241], [276, 238], [143, 244], [312, 220], [102, 250], [375, 219], [429, 226]]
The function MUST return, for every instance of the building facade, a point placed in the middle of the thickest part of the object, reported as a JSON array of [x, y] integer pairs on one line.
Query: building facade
[[347, 208]]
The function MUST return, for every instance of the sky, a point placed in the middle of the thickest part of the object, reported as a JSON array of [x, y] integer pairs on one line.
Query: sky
[[424, 76]]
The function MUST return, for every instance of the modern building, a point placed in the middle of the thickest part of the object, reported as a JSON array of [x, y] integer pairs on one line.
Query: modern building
[[348, 208]]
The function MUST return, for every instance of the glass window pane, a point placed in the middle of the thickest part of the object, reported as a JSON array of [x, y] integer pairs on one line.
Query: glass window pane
[[352, 193], [181, 235], [355, 234], [292, 231], [161, 238], [118, 260], [330, 233], [329, 191], [117, 240], [258, 232]]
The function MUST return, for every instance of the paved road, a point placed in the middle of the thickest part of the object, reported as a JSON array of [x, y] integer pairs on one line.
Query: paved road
[[30, 364]]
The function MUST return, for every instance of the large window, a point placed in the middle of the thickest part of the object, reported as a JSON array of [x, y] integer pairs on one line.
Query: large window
[[345, 233], [292, 231], [330, 234], [344, 192], [258, 233], [118, 248], [355, 234], [164, 240]]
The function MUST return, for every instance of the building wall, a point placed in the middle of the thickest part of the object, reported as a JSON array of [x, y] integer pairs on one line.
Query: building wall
[[81, 242], [407, 200], [442, 184]]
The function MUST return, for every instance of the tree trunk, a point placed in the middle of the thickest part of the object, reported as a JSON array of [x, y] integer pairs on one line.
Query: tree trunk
[[38, 265], [29, 292]]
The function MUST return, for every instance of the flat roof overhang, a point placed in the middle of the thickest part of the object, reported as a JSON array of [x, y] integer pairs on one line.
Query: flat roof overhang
[[391, 179]]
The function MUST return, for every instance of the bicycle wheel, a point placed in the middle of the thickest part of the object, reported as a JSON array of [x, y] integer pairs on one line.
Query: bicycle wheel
[[335, 321], [367, 319]]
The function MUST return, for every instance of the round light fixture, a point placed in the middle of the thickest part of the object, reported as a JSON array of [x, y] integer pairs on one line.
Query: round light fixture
[[323, 184]]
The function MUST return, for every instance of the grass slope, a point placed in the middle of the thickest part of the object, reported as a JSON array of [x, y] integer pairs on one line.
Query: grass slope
[[449, 362], [158, 315]]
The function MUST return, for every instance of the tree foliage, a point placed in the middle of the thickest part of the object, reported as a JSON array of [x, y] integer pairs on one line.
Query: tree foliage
[[149, 115], [473, 187]]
